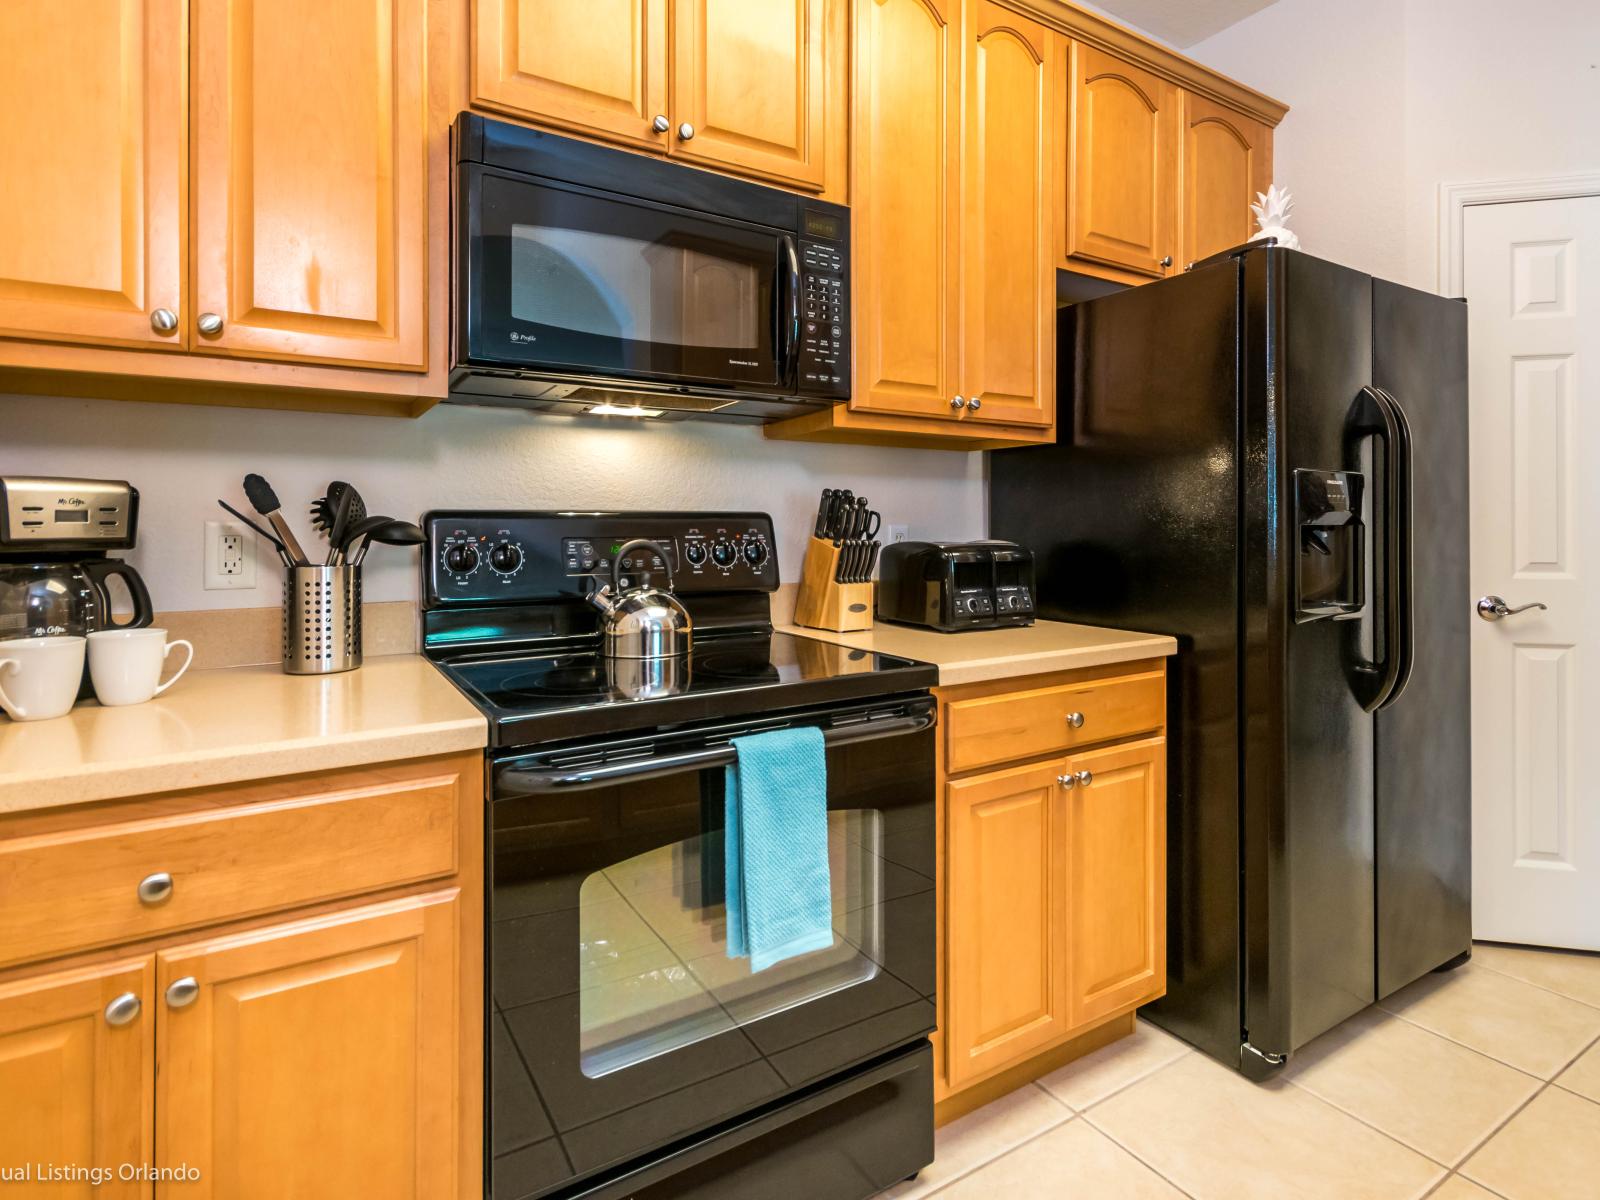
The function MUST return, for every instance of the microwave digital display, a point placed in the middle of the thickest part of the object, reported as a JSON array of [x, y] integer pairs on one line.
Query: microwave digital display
[[821, 225]]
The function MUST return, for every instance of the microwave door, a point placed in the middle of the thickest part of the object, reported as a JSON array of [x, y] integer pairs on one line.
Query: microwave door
[[577, 282]]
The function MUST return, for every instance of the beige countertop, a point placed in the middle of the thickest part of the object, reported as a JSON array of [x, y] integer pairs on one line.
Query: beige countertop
[[236, 723], [980, 655]]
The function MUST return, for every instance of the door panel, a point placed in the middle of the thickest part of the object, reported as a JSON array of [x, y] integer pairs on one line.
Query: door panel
[[1009, 198], [1227, 159], [78, 1088], [749, 76], [310, 134], [318, 1059], [92, 191], [1117, 874], [1122, 175], [1007, 947], [904, 206], [597, 68], [1532, 314]]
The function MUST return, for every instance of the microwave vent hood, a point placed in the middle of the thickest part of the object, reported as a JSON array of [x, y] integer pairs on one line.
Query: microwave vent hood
[[563, 395]]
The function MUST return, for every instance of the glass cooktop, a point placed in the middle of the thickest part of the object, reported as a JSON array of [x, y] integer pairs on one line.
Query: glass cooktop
[[542, 697]]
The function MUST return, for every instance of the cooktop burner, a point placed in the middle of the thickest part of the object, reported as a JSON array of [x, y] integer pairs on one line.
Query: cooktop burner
[[543, 697]]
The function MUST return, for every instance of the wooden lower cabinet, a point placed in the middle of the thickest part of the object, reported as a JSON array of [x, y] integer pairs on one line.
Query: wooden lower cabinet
[[315, 1059], [1052, 885], [328, 1049], [77, 1074]]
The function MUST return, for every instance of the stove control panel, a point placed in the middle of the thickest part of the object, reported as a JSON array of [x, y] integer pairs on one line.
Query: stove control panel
[[512, 557]]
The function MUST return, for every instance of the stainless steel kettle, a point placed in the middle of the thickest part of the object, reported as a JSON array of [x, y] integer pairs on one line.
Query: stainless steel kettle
[[642, 621]]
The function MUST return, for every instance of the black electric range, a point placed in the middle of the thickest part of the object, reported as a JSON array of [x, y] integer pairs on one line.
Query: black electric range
[[628, 1054]]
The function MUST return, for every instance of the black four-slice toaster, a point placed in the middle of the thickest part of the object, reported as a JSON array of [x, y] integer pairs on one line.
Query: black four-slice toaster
[[953, 586]]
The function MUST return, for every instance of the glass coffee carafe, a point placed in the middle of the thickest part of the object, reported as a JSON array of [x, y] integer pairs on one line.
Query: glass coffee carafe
[[67, 597]]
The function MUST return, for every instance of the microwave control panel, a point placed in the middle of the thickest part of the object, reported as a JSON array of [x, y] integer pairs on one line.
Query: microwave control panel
[[825, 301]]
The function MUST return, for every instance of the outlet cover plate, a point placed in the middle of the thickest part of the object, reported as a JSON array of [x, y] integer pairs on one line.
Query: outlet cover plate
[[230, 554]]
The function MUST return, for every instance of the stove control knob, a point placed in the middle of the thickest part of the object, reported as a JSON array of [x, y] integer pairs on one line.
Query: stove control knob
[[462, 558], [754, 553], [723, 553], [695, 552], [505, 558]]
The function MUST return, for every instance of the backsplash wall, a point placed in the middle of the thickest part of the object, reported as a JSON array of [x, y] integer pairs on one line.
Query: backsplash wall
[[183, 457]]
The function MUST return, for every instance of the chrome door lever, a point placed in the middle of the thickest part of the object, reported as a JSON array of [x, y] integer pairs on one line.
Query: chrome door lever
[[1493, 608]]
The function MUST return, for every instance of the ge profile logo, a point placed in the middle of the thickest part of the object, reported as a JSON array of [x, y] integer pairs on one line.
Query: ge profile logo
[[523, 337]]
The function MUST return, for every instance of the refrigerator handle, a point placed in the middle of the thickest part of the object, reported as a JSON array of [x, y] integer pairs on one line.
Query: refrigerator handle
[[1376, 414]]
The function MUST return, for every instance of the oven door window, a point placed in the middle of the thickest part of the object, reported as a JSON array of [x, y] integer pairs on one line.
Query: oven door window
[[589, 282], [654, 970]]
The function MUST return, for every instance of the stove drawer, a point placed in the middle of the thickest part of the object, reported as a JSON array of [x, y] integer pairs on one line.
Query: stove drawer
[[315, 839], [1016, 725]]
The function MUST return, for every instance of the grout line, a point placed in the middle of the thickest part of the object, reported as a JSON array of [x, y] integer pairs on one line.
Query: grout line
[[1129, 1150], [1455, 1041], [1128, 1083], [1360, 1120], [1495, 1132], [1542, 987], [976, 1167]]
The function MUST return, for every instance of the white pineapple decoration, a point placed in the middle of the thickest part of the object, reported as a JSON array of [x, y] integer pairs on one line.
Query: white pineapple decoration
[[1272, 214]]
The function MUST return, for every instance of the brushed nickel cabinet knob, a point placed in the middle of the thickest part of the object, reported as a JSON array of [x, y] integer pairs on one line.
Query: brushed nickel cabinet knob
[[1068, 782], [661, 124], [685, 131], [209, 324], [1075, 720], [164, 321], [183, 992], [122, 1010], [958, 403], [155, 889]]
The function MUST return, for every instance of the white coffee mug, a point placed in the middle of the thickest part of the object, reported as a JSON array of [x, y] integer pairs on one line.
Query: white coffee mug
[[126, 664], [40, 676]]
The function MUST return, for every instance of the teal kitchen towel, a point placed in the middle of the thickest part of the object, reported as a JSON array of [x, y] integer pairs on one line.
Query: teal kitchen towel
[[775, 847]]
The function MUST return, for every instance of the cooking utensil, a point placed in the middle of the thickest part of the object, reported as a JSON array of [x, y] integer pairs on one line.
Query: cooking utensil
[[265, 535], [390, 532], [325, 509], [341, 522], [265, 501]]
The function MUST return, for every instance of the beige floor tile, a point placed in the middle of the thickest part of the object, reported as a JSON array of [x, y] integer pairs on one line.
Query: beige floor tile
[[1570, 972], [1433, 1094], [1071, 1162], [1109, 1069], [1548, 1151], [979, 1137], [1219, 1137], [1528, 1027], [1457, 1188], [1583, 1076]]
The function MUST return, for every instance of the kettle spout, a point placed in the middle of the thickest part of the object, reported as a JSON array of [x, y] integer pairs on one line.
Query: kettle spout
[[602, 599]]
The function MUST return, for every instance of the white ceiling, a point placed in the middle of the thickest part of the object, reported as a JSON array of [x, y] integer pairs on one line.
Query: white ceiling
[[1180, 23]]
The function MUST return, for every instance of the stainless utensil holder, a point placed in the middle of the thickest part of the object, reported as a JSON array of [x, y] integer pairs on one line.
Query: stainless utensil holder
[[321, 620]]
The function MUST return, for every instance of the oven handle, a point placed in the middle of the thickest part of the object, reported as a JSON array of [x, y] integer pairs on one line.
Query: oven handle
[[512, 782]]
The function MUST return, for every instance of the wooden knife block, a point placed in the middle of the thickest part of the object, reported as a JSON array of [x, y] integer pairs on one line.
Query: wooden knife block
[[826, 604]]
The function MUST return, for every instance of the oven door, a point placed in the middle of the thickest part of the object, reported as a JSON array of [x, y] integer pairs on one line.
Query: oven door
[[562, 280], [619, 1025]]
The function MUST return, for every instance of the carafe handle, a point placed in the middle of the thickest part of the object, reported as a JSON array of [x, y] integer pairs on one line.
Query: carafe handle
[[101, 570]]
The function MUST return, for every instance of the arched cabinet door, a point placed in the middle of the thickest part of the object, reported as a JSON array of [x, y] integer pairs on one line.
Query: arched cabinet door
[[1227, 159], [1123, 178]]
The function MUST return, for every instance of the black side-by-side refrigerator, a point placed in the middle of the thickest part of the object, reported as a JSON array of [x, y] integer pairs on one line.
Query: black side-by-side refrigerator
[[1267, 457]]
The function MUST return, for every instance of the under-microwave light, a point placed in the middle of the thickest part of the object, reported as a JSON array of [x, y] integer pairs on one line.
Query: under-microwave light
[[623, 410]]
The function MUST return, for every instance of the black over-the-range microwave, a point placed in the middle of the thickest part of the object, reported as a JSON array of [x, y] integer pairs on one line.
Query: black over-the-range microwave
[[589, 279]]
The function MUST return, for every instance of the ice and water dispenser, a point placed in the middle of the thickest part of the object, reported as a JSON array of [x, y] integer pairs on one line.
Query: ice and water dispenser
[[1331, 568]]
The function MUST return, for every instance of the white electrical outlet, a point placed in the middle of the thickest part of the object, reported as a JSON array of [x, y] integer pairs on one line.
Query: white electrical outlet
[[898, 533], [230, 557]]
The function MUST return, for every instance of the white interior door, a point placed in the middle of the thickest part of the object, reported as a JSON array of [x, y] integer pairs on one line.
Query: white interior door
[[1532, 276]]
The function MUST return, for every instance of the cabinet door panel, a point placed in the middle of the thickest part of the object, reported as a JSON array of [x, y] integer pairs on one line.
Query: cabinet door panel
[[318, 1059], [92, 171], [310, 136], [750, 76], [1227, 159], [1118, 878], [1006, 949], [1123, 181], [79, 1089], [905, 146], [597, 68], [1009, 201]]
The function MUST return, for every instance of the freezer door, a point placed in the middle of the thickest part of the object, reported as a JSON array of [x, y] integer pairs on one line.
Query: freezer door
[[1424, 752], [1307, 804]]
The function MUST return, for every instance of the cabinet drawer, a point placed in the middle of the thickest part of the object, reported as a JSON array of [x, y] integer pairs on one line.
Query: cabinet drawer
[[1019, 725], [73, 890]]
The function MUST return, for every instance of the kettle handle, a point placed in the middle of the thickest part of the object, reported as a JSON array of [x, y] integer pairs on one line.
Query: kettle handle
[[637, 543], [143, 611]]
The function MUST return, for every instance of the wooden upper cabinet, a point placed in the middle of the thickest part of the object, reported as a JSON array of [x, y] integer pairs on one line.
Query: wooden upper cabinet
[[1118, 878], [316, 1059], [92, 173], [310, 165], [1009, 199], [79, 1089], [750, 78], [597, 67], [1122, 160], [905, 142], [1006, 878], [1227, 159]]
